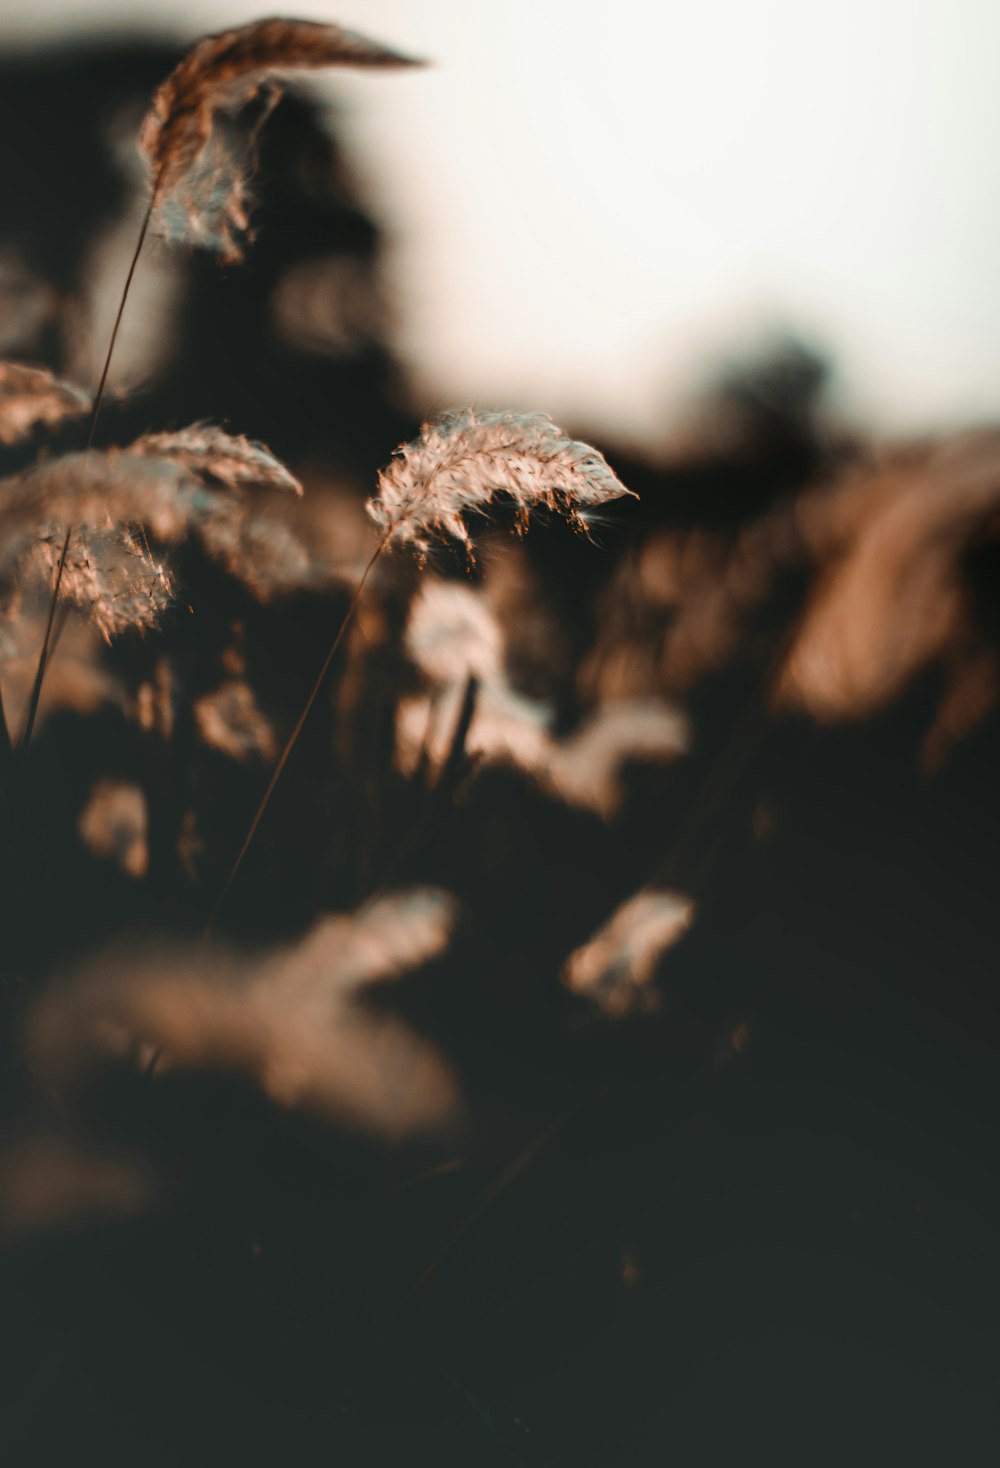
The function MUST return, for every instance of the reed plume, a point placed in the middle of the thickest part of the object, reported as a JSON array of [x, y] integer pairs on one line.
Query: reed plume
[[459, 463], [464, 459], [229, 719], [199, 169], [296, 1022], [453, 635], [33, 395], [616, 967], [215, 455], [114, 825], [199, 175], [163, 486], [892, 597], [584, 769]]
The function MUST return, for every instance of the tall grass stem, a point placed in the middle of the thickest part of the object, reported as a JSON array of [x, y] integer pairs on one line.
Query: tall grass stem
[[95, 413], [293, 738]]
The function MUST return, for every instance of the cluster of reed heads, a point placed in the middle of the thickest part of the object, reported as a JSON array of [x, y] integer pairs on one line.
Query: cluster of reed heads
[[432, 692]]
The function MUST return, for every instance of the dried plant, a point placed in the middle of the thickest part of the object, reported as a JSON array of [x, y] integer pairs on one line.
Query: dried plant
[[80, 680], [615, 968], [198, 166], [229, 719], [506, 728], [687, 604], [110, 573], [554, 674], [212, 454], [295, 1022], [199, 183], [264, 1085], [33, 395], [162, 487], [114, 825], [585, 768], [464, 459], [453, 635], [891, 597], [459, 463]]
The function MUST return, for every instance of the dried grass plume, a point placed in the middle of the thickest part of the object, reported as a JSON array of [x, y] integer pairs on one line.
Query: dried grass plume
[[893, 596], [230, 459], [296, 1022], [616, 967], [162, 487], [463, 460], [32, 395], [198, 169]]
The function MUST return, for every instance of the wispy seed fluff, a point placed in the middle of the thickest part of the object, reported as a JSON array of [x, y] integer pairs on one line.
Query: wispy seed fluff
[[461, 461], [616, 968], [166, 486], [199, 163], [298, 1022], [213, 454], [32, 395]]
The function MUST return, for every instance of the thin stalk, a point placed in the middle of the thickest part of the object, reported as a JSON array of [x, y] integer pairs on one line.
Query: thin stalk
[[293, 738], [6, 748], [95, 412], [12, 846], [44, 654]]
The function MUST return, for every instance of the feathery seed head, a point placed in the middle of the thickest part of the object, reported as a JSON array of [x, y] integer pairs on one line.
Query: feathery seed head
[[166, 486], [229, 458], [462, 460], [32, 395], [616, 967], [295, 1022], [199, 172]]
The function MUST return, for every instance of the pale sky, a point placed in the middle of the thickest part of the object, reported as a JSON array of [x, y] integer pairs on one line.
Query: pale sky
[[585, 203]]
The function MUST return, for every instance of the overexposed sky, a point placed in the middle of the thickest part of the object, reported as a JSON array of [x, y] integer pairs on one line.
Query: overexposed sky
[[586, 202]]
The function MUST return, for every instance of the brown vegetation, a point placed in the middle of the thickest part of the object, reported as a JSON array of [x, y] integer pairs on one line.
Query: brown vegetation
[[393, 928]]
